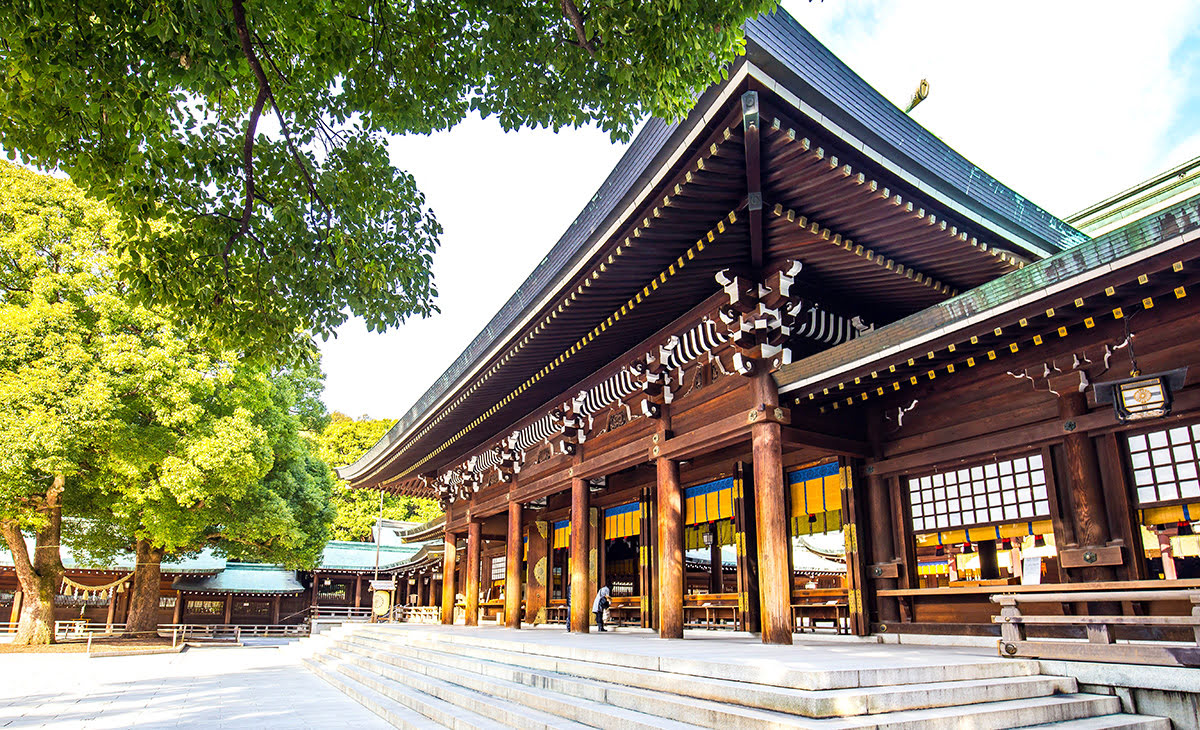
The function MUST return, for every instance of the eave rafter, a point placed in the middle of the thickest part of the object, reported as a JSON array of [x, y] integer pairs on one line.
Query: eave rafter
[[882, 218], [818, 232]]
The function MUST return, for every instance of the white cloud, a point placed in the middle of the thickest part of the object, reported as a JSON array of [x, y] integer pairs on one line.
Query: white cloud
[[1065, 102]]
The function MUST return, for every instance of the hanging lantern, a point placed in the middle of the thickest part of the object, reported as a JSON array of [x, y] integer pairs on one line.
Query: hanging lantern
[[1141, 397]]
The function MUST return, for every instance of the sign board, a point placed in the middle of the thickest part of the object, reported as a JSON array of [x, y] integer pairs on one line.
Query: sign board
[[383, 585], [1031, 570]]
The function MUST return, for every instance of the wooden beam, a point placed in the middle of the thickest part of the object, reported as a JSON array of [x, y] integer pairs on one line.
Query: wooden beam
[[670, 550], [753, 146], [1037, 433], [1082, 469], [615, 460], [836, 445]]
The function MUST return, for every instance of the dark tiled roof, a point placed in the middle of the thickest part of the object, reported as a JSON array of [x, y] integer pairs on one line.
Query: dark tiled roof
[[853, 103]]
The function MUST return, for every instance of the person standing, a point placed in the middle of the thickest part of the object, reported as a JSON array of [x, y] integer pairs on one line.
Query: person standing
[[600, 605]]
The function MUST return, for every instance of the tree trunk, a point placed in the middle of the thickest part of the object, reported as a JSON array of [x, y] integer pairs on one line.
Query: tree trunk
[[144, 593], [41, 574]]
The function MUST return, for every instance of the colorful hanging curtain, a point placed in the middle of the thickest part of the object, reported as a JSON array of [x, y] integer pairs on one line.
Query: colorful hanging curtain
[[708, 502], [986, 532], [562, 534], [622, 521], [816, 493], [940, 567], [693, 535], [1171, 515], [72, 588]]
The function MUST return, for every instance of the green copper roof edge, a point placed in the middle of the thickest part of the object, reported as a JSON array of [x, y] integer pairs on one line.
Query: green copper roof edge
[[1107, 249]]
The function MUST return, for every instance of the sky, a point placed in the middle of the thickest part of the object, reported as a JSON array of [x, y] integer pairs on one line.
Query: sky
[[1066, 102]]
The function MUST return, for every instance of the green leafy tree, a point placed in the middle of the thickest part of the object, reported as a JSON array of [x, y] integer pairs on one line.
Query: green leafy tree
[[340, 443], [219, 463], [57, 400], [256, 131], [111, 412]]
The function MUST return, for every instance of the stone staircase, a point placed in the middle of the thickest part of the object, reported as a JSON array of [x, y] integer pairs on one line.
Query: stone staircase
[[429, 679]]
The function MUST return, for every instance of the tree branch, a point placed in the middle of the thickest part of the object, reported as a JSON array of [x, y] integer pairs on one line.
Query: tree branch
[[573, 15]]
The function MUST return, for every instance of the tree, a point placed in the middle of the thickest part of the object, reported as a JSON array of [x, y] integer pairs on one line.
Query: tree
[[113, 413], [56, 399], [255, 133], [340, 443], [220, 465]]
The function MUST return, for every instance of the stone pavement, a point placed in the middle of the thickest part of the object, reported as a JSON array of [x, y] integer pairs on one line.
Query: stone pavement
[[226, 687]]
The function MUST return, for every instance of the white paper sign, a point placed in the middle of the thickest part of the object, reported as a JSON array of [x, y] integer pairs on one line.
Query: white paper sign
[[1031, 570]]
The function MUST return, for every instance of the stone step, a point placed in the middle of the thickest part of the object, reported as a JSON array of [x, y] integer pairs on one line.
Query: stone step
[[773, 675], [1111, 722], [602, 704], [517, 666], [398, 715], [982, 715], [493, 710]]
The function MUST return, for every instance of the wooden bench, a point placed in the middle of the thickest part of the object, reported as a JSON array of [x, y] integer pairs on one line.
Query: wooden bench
[[836, 612], [711, 611], [1100, 644], [626, 610]]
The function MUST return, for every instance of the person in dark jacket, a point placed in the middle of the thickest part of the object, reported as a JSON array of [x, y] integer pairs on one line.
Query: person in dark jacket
[[600, 604]]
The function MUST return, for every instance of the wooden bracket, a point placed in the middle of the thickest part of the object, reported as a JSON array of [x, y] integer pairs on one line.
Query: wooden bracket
[[884, 570], [770, 414]]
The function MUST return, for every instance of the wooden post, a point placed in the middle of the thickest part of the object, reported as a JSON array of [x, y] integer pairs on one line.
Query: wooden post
[[274, 609], [358, 591], [512, 568], [14, 616], [474, 544], [177, 616], [746, 542], [1087, 493], [670, 550], [715, 566], [647, 583], [316, 581], [770, 501], [856, 558], [538, 566], [112, 610], [595, 548], [880, 534], [450, 545], [228, 608], [580, 620]]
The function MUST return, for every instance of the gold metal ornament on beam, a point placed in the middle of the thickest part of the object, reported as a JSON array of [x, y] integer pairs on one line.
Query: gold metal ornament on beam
[[920, 95]]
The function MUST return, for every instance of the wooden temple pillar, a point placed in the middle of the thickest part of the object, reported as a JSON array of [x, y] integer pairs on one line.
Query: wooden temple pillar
[[579, 563], [358, 590], [669, 539], [1087, 512], [474, 545], [539, 575], [275, 600], [176, 616], [228, 608], [715, 564], [771, 517], [448, 567], [647, 572], [884, 569], [512, 567], [745, 541]]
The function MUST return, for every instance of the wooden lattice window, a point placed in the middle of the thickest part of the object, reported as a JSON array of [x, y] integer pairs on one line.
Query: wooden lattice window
[[1010, 490], [1166, 464]]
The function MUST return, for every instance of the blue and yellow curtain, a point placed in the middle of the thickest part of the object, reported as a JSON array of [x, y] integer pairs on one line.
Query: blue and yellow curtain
[[693, 535], [986, 532], [562, 534], [708, 502], [816, 499], [1170, 515], [622, 521]]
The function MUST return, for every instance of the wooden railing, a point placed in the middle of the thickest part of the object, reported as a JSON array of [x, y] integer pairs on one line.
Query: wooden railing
[[78, 628], [234, 632], [418, 614], [349, 613], [1100, 629]]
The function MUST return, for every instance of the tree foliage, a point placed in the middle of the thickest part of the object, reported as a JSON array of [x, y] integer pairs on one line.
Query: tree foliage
[[118, 415], [255, 132], [342, 442]]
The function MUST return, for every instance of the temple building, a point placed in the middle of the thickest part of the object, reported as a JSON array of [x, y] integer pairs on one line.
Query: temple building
[[796, 327]]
